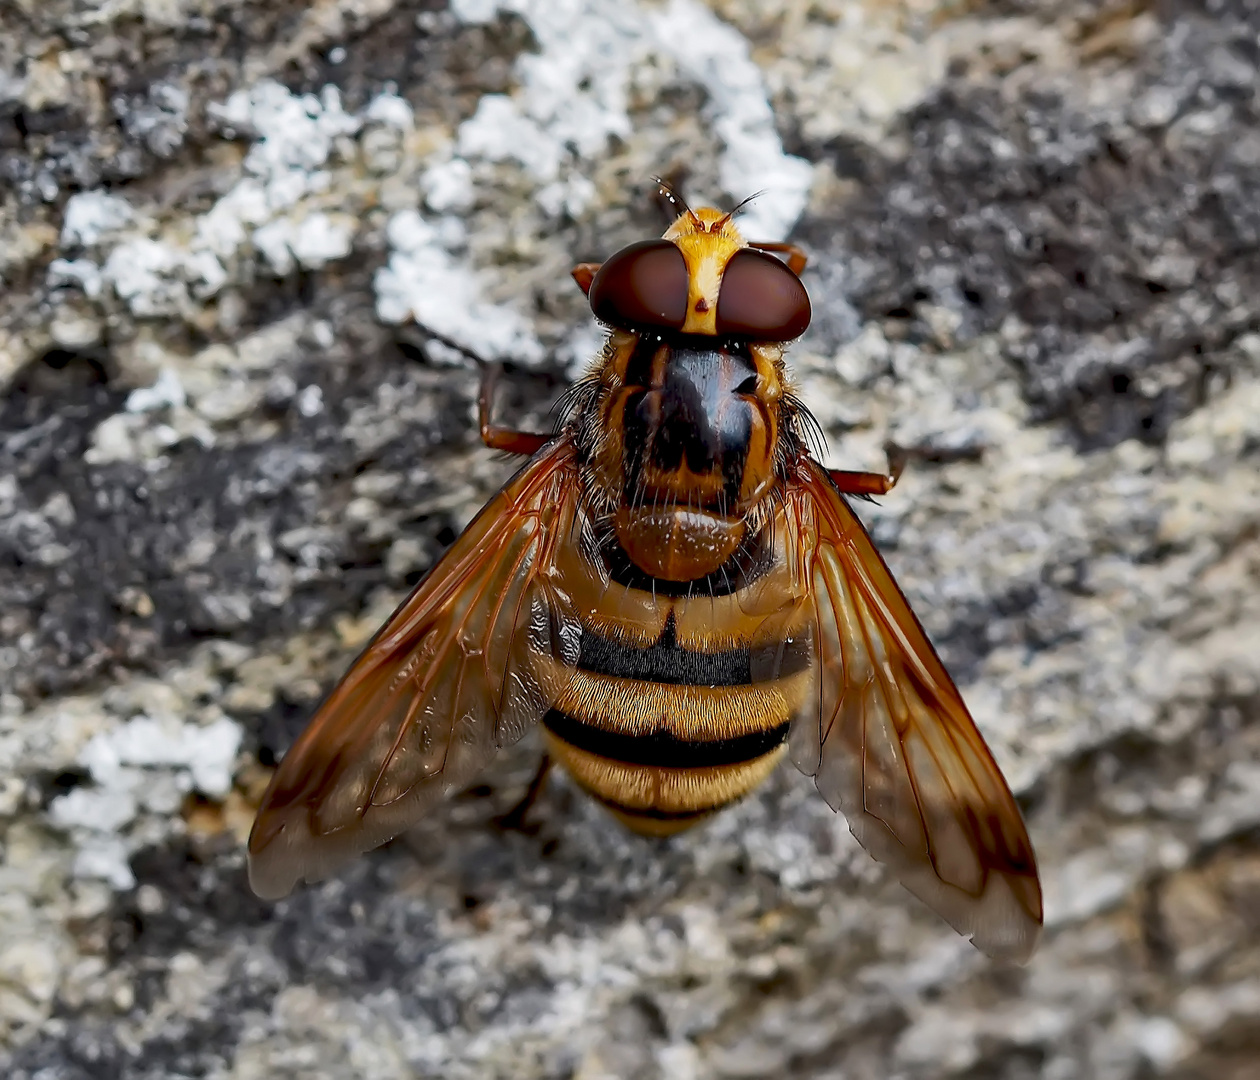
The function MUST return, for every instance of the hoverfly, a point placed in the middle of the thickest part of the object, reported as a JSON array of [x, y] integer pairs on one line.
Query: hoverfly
[[682, 596]]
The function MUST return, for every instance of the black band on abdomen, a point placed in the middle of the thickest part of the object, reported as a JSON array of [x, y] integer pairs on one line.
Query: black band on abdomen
[[662, 749], [665, 661]]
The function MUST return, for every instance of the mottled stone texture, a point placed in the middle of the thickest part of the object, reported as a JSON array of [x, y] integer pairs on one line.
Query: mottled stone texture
[[225, 452]]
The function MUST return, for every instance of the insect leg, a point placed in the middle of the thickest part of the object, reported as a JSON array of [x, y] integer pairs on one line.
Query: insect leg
[[502, 438], [866, 484], [514, 819], [584, 274], [796, 258]]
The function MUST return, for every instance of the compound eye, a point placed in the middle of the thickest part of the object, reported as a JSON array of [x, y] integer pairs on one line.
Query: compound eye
[[644, 284], [761, 299]]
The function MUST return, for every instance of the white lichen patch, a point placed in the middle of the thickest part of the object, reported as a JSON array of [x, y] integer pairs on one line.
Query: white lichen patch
[[91, 215], [202, 397], [424, 282], [295, 134], [287, 209], [144, 746], [574, 99], [575, 96], [144, 766], [282, 208], [143, 749]]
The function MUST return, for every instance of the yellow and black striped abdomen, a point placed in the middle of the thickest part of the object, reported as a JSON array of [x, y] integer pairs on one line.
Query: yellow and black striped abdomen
[[679, 704], [695, 653]]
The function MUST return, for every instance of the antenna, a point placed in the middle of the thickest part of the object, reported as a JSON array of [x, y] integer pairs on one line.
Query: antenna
[[677, 200], [737, 208]]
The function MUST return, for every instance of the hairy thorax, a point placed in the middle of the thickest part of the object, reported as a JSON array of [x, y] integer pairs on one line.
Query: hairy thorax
[[689, 449]]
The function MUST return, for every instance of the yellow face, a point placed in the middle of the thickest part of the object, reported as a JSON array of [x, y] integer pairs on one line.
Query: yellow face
[[692, 386], [707, 239]]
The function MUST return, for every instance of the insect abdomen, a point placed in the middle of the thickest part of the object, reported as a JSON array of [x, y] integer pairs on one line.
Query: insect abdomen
[[664, 735]]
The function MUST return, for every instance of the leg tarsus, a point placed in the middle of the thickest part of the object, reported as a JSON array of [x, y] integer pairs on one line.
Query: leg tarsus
[[514, 819], [866, 484], [796, 258], [494, 436]]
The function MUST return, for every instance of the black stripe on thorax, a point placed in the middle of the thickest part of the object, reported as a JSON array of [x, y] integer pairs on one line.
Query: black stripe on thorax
[[665, 661], [671, 420], [752, 560], [639, 363], [662, 748], [638, 371]]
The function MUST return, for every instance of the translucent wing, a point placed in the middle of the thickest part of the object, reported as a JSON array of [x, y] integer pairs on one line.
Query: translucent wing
[[451, 677], [890, 743]]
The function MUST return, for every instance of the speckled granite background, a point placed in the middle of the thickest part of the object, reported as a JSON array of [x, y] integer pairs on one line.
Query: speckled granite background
[[225, 454]]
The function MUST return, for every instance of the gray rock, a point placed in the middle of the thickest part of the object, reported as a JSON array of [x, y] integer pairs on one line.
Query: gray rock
[[225, 453]]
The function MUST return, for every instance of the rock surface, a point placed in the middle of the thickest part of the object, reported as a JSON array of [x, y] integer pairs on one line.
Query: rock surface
[[225, 453]]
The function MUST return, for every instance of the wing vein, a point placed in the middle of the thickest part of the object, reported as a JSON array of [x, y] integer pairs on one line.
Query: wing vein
[[423, 699], [925, 794]]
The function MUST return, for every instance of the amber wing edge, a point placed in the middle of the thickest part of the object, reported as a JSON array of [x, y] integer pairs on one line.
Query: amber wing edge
[[439, 689], [891, 744]]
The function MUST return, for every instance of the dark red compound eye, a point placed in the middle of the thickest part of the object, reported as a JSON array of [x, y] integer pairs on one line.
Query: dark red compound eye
[[761, 299], [644, 284]]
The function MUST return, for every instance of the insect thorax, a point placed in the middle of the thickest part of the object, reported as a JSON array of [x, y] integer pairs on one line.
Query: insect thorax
[[683, 444]]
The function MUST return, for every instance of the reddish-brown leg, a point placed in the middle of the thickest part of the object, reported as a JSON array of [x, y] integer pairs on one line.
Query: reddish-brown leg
[[584, 274], [514, 819], [502, 438], [796, 258], [870, 483]]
